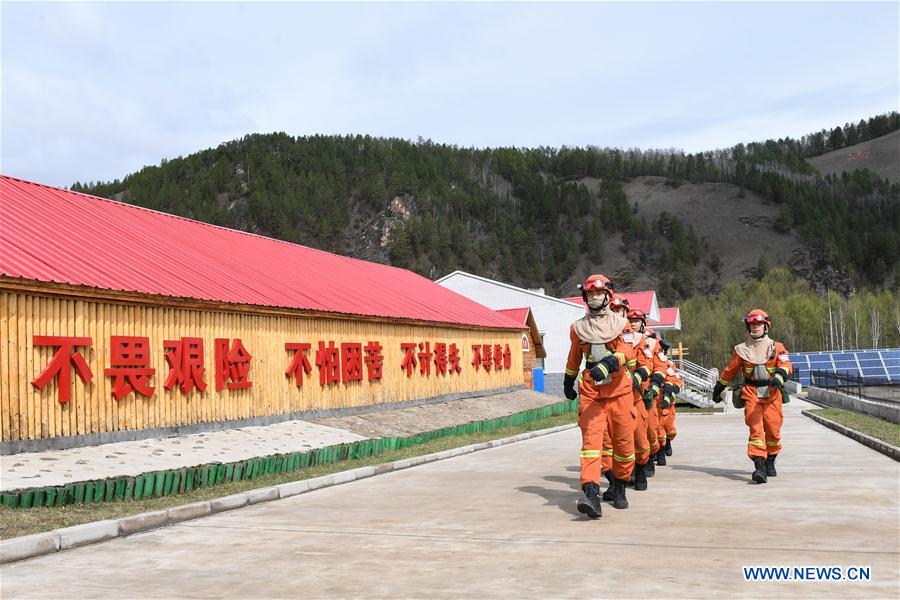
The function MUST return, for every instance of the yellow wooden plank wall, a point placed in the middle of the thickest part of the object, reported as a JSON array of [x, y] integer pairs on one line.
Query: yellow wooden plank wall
[[29, 413]]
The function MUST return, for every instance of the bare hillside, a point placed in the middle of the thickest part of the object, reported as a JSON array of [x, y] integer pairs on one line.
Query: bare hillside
[[881, 155], [736, 223]]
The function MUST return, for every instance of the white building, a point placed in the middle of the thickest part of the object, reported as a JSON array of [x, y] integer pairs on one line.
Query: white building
[[553, 316]]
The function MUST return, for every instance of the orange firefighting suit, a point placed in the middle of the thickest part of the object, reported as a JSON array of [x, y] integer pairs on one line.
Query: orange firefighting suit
[[641, 367], [604, 406], [667, 415], [651, 351], [762, 415]]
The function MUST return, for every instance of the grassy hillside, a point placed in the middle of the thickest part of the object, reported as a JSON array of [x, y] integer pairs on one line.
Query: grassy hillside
[[881, 156]]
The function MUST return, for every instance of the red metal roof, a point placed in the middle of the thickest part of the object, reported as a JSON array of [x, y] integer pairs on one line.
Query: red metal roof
[[519, 315], [668, 317], [54, 235]]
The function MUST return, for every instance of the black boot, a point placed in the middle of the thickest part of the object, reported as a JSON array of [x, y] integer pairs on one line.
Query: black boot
[[759, 474], [650, 467], [770, 466], [661, 457], [610, 492], [640, 477], [619, 501], [590, 504], [668, 447]]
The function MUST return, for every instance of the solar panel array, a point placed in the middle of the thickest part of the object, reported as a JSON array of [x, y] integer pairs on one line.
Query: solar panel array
[[876, 365]]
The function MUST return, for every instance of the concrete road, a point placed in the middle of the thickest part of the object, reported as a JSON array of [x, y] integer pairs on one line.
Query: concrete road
[[502, 524]]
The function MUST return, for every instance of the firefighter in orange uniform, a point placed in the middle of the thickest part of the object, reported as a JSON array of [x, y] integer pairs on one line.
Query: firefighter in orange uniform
[[765, 366], [672, 387], [655, 434], [606, 397], [641, 368]]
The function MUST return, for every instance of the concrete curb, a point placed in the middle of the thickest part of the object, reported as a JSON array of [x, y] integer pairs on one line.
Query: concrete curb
[[39, 544], [866, 440]]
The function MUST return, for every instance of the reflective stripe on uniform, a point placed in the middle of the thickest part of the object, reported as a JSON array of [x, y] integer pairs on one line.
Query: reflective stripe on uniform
[[723, 382], [590, 454], [569, 372], [758, 443], [628, 458], [607, 451], [776, 444], [642, 450]]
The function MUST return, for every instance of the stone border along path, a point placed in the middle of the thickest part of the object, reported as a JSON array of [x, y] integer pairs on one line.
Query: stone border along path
[[39, 544]]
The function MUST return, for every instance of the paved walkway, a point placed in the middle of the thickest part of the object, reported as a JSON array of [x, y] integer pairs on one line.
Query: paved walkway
[[502, 524], [61, 467]]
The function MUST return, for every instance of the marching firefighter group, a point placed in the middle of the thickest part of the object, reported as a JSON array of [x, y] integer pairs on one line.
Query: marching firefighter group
[[628, 387]]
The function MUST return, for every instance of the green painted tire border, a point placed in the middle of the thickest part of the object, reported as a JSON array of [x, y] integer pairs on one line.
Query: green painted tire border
[[156, 484]]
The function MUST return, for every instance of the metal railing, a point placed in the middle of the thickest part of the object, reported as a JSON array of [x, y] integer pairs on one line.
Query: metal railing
[[870, 388], [698, 383], [699, 372]]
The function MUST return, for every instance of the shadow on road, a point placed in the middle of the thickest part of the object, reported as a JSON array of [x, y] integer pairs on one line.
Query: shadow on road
[[733, 474], [563, 499]]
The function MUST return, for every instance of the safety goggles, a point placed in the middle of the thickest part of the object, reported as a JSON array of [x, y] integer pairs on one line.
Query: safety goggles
[[596, 285]]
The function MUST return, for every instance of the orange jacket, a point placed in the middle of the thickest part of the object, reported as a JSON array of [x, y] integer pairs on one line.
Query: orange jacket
[[778, 365], [656, 355], [620, 383], [641, 365], [672, 374]]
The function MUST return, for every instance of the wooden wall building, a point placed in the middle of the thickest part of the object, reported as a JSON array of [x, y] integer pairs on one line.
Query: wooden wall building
[[116, 319]]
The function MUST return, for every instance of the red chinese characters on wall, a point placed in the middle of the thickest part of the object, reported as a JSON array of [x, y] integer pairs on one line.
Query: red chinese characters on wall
[[300, 363], [328, 359], [185, 358], [232, 364], [409, 358], [444, 357], [494, 357], [374, 361], [60, 366], [348, 362], [129, 359]]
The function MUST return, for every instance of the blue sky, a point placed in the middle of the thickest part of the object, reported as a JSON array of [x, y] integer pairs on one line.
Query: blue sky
[[96, 91]]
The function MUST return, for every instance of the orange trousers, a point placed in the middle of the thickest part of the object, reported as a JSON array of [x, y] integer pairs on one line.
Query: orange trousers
[[764, 417], [616, 416], [661, 416], [641, 440], [670, 424], [653, 427]]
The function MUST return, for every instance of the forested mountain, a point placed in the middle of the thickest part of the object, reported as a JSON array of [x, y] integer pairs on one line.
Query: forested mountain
[[541, 217]]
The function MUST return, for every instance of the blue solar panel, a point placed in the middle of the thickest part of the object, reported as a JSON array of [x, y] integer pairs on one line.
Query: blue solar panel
[[867, 355], [892, 362], [870, 363], [845, 364], [879, 372], [890, 354]]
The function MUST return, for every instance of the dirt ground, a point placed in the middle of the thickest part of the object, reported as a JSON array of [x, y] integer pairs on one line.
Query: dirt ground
[[881, 155], [418, 419]]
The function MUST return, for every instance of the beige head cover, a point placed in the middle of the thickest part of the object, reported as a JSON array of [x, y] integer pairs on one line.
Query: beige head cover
[[599, 327], [756, 351]]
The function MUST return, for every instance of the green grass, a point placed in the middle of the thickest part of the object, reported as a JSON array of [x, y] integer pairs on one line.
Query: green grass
[[690, 409], [15, 522], [873, 426]]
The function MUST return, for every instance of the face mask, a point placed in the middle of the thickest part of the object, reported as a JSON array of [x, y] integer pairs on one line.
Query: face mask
[[597, 302]]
